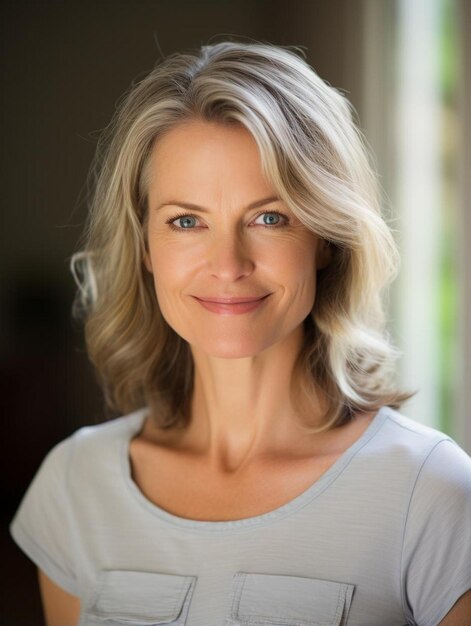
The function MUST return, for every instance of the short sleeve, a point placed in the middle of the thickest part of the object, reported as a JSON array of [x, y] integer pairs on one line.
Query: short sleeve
[[436, 556], [42, 524]]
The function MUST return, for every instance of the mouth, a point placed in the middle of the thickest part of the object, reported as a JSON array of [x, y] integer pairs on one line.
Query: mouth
[[217, 300], [231, 306]]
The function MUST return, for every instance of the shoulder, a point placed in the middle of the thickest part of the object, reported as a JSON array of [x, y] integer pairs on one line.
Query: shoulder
[[89, 444], [411, 439], [436, 544], [412, 428], [414, 455], [439, 468], [113, 430]]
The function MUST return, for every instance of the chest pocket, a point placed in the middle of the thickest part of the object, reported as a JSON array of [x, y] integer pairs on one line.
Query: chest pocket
[[276, 600], [129, 598]]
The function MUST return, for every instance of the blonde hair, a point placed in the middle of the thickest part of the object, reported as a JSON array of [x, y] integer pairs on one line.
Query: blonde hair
[[317, 160]]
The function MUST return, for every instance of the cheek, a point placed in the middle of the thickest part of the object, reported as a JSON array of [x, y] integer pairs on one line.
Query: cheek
[[173, 270], [296, 259], [298, 273], [170, 261]]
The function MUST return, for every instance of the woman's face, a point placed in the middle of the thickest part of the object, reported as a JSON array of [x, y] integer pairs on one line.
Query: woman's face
[[222, 247]]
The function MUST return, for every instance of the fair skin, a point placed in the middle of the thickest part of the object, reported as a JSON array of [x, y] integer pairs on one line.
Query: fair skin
[[243, 424], [241, 410], [60, 607], [243, 452]]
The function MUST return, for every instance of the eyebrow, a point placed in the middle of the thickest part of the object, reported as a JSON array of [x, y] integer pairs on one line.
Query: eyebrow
[[195, 207]]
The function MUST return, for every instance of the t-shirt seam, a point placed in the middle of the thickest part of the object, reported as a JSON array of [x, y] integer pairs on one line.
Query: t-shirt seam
[[406, 519]]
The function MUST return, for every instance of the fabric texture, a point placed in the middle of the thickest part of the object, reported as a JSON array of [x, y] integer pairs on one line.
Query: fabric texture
[[382, 538]]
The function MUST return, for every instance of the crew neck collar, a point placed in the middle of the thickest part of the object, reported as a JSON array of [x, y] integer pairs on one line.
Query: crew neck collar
[[136, 421]]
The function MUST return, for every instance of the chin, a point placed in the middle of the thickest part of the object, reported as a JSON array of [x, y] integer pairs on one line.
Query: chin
[[230, 349]]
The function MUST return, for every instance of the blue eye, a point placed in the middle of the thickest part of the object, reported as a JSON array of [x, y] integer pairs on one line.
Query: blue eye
[[273, 218], [187, 222]]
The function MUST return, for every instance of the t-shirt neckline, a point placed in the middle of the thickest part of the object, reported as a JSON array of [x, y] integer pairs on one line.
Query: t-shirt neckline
[[315, 489]]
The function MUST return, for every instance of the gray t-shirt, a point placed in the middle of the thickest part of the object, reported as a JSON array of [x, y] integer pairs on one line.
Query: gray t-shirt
[[383, 538]]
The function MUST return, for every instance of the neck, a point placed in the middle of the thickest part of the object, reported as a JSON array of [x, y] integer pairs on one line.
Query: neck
[[241, 408]]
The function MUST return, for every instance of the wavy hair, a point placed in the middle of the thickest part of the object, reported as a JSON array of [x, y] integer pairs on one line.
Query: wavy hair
[[317, 160]]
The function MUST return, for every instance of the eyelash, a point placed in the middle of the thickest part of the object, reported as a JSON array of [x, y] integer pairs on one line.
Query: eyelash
[[273, 226]]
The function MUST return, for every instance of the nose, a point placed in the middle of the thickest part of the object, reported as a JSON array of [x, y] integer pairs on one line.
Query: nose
[[229, 257]]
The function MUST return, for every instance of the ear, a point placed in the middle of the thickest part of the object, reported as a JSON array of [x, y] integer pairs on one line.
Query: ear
[[324, 254]]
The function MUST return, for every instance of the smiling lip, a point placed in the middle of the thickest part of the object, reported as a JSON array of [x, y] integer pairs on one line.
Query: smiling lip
[[232, 306], [230, 300]]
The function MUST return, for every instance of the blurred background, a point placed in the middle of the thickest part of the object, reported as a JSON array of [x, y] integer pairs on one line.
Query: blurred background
[[406, 67]]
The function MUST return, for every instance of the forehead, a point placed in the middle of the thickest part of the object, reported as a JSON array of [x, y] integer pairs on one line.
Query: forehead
[[207, 157], [205, 134]]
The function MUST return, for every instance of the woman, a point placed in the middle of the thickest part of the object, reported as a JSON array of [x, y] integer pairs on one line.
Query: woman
[[260, 473]]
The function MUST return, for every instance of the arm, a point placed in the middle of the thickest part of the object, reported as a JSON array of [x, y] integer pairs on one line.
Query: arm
[[60, 607], [460, 614]]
